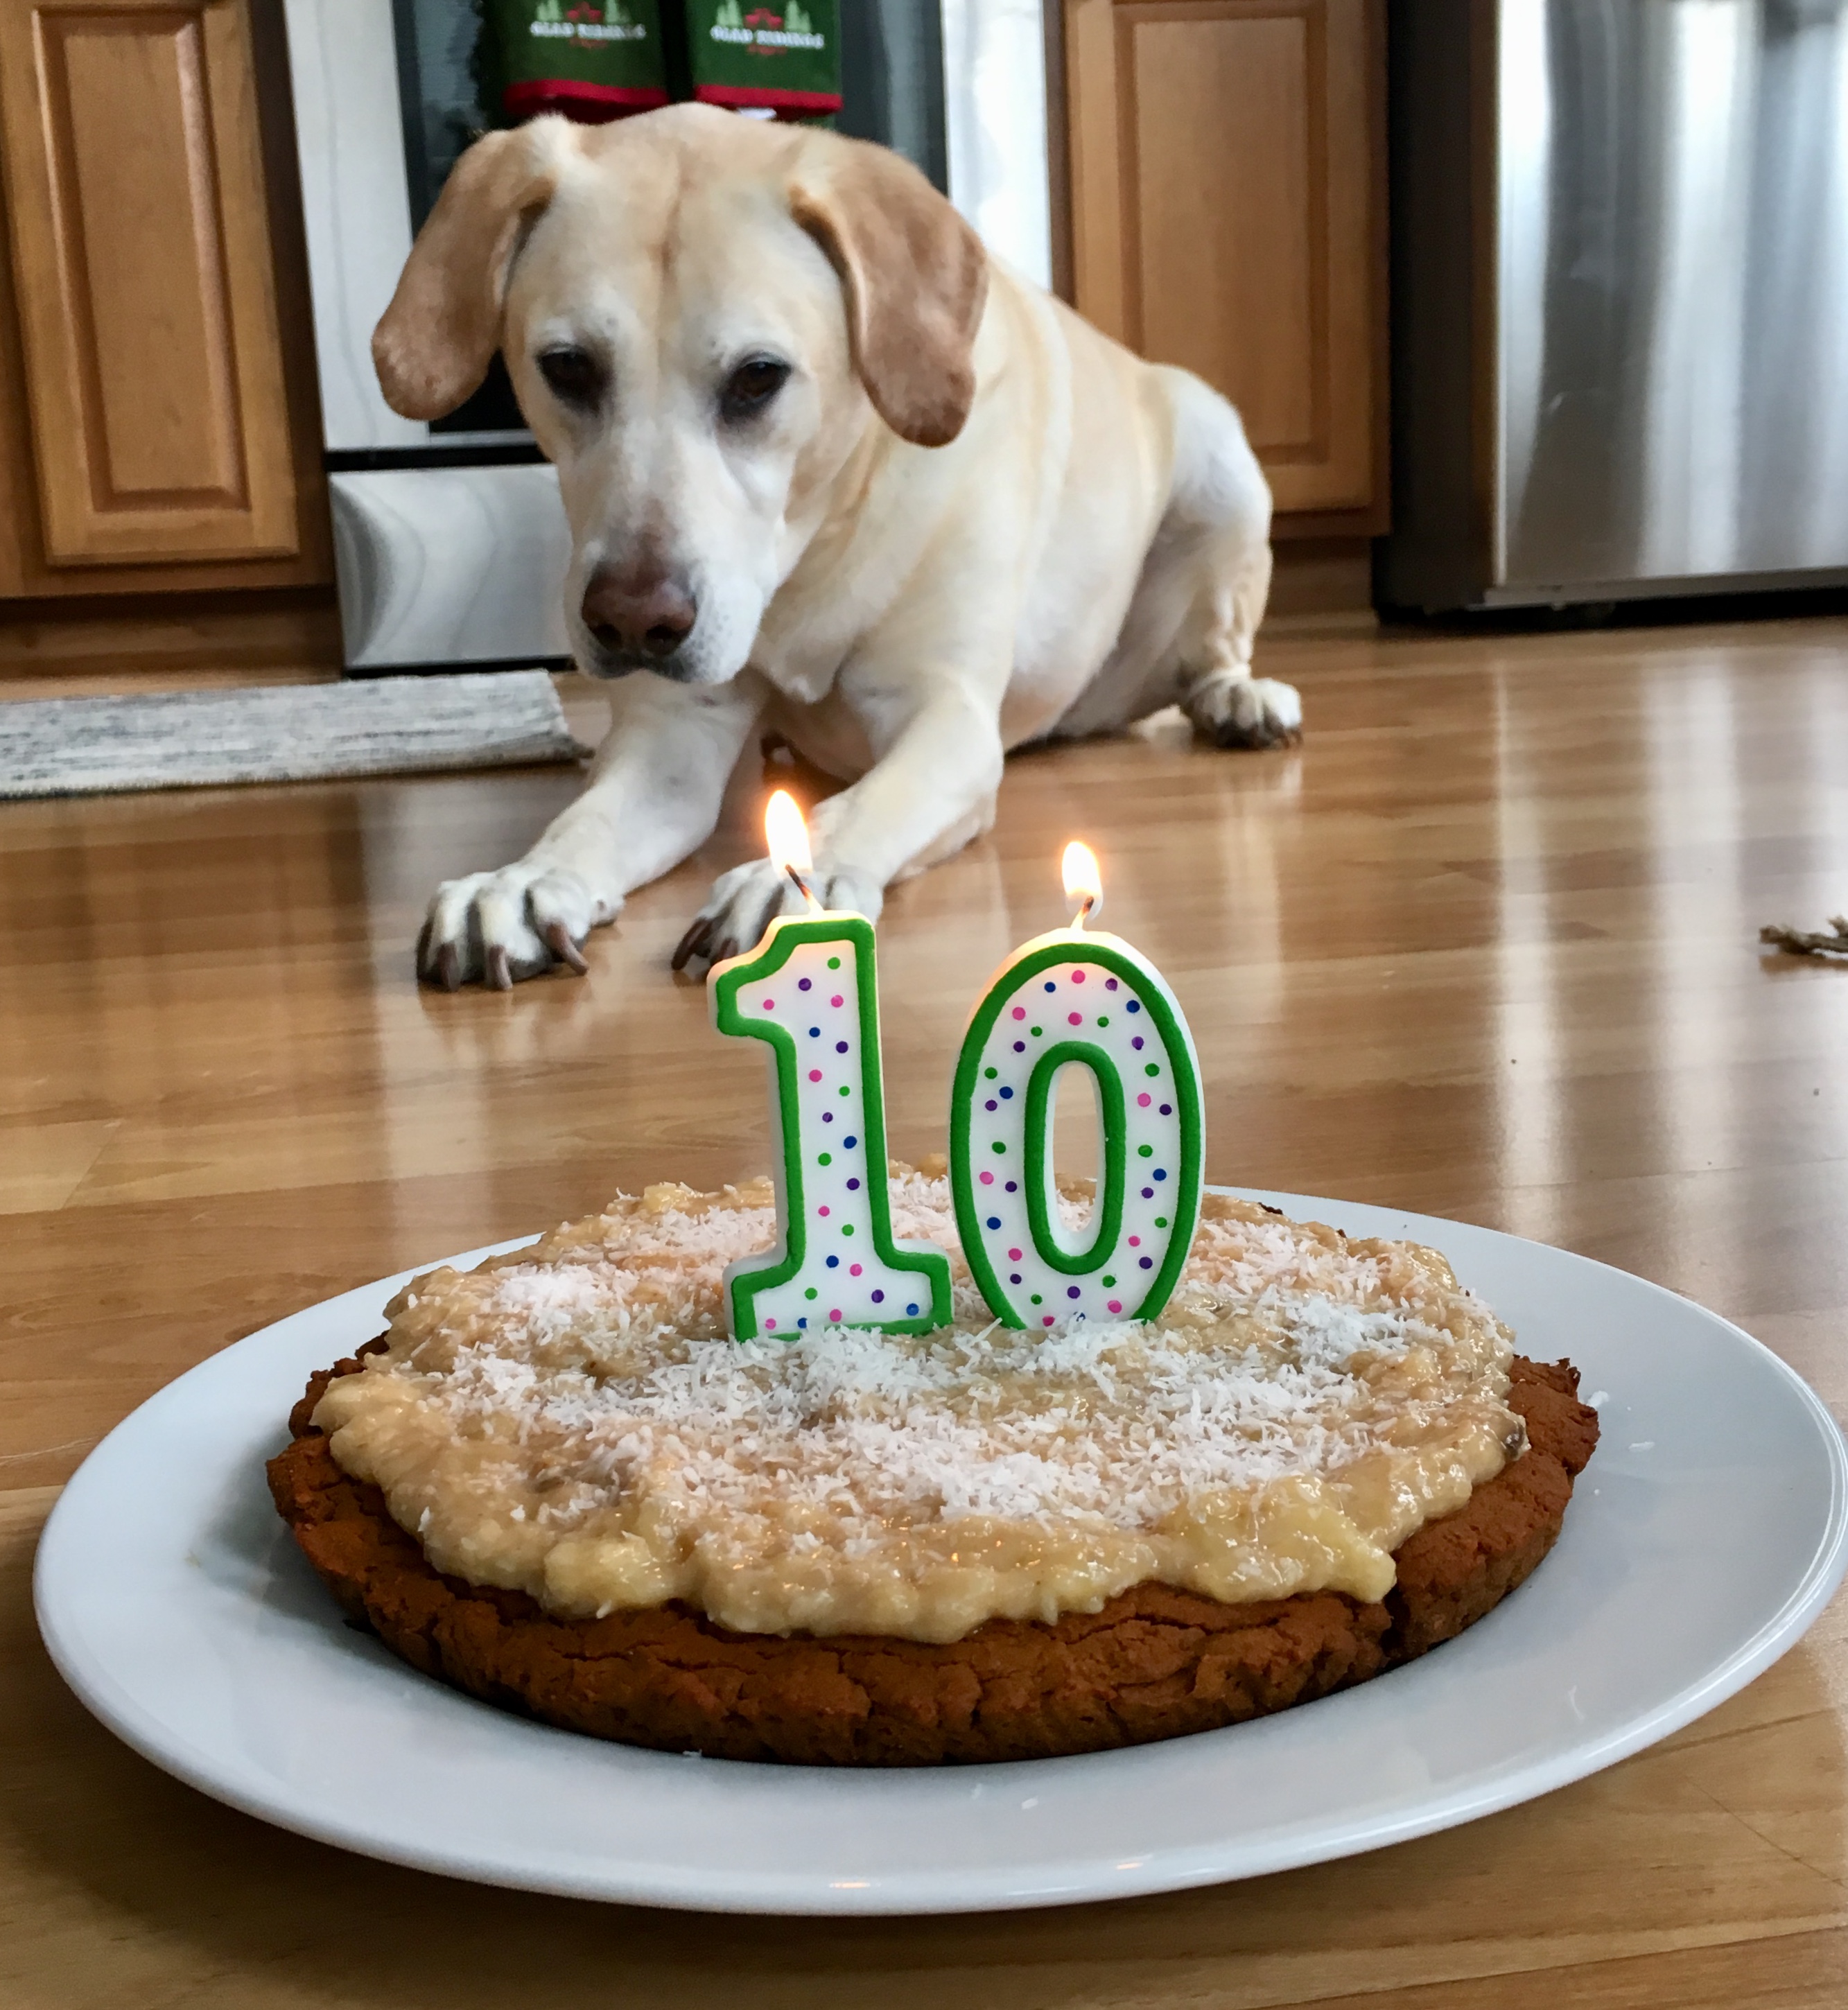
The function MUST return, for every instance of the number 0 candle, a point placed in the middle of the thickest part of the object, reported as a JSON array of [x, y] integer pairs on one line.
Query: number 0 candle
[[810, 990], [1077, 998]]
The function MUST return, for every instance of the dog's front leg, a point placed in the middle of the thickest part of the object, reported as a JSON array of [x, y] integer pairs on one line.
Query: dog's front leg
[[931, 789], [654, 794]]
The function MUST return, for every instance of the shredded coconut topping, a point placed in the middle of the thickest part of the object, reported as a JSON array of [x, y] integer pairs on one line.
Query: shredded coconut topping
[[573, 1420]]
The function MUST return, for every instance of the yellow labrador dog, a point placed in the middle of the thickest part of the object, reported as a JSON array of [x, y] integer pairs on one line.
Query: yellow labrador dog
[[832, 473]]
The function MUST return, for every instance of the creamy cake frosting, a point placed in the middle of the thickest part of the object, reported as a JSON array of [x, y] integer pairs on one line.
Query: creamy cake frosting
[[573, 1421]]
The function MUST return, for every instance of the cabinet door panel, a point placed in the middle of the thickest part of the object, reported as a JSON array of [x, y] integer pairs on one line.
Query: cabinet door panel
[[134, 181], [1226, 209]]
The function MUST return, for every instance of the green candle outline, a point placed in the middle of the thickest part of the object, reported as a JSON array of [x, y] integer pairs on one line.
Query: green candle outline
[[791, 1183], [1114, 1176], [1074, 946]]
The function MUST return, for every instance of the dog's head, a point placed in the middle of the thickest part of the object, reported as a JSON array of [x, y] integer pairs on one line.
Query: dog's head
[[700, 314]]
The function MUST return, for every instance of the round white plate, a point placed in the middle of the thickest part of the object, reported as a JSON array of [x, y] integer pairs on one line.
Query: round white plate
[[1710, 1529]]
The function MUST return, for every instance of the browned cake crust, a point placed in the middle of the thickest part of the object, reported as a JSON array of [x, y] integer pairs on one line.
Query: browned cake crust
[[1155, 1663]]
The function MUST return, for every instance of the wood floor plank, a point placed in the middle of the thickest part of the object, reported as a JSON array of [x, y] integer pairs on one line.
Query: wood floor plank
[[1792, 1972], [42, 1165]]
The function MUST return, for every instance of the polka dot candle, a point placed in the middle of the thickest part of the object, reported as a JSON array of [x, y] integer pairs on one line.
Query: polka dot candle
[[1077, 999], [809, 990]]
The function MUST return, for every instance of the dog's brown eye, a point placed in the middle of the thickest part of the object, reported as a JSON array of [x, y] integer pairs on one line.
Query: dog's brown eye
[[751, 386], [574, 375]]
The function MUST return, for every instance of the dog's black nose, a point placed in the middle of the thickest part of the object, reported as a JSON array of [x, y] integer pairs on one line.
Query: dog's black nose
[[638, 613]]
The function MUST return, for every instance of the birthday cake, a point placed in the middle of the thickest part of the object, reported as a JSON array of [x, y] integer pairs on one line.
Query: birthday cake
[[559, 1483]]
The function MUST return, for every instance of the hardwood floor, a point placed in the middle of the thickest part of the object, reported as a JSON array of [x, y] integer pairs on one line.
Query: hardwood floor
[[1485, 946]]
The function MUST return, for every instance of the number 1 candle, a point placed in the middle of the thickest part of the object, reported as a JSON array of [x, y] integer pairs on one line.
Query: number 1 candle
[[810, 990], [1074, 998]]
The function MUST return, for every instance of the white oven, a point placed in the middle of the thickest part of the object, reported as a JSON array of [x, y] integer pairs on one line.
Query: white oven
[[450, 539]]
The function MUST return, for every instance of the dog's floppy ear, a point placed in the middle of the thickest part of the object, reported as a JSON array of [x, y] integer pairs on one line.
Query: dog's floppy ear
[[916, 277], [432, 346]]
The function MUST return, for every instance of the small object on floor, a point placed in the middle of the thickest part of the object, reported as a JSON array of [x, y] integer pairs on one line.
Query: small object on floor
[[1797, 944], [285, 733]]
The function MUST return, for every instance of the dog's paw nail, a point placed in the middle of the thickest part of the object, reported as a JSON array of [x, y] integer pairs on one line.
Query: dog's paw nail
[[558, 940], [500, 977], [449, 968], [693, 943]]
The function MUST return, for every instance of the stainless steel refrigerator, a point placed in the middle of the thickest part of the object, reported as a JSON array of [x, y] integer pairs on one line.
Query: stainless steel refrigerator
[[1620, 300]]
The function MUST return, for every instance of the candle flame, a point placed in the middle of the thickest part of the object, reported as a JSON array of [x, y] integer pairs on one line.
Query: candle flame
[[785, 834], [786, 838], [1084, 883]]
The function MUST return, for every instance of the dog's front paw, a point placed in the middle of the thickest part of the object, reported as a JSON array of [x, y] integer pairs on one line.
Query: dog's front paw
[[745, 900], [1247, 712], [496, 927]]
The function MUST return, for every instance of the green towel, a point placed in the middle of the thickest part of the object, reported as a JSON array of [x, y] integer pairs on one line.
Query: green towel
[[592, 61], [782, 59]]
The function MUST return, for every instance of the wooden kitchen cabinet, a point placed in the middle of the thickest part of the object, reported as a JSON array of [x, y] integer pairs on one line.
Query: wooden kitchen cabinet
[[157, 427], [1227, 204]]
